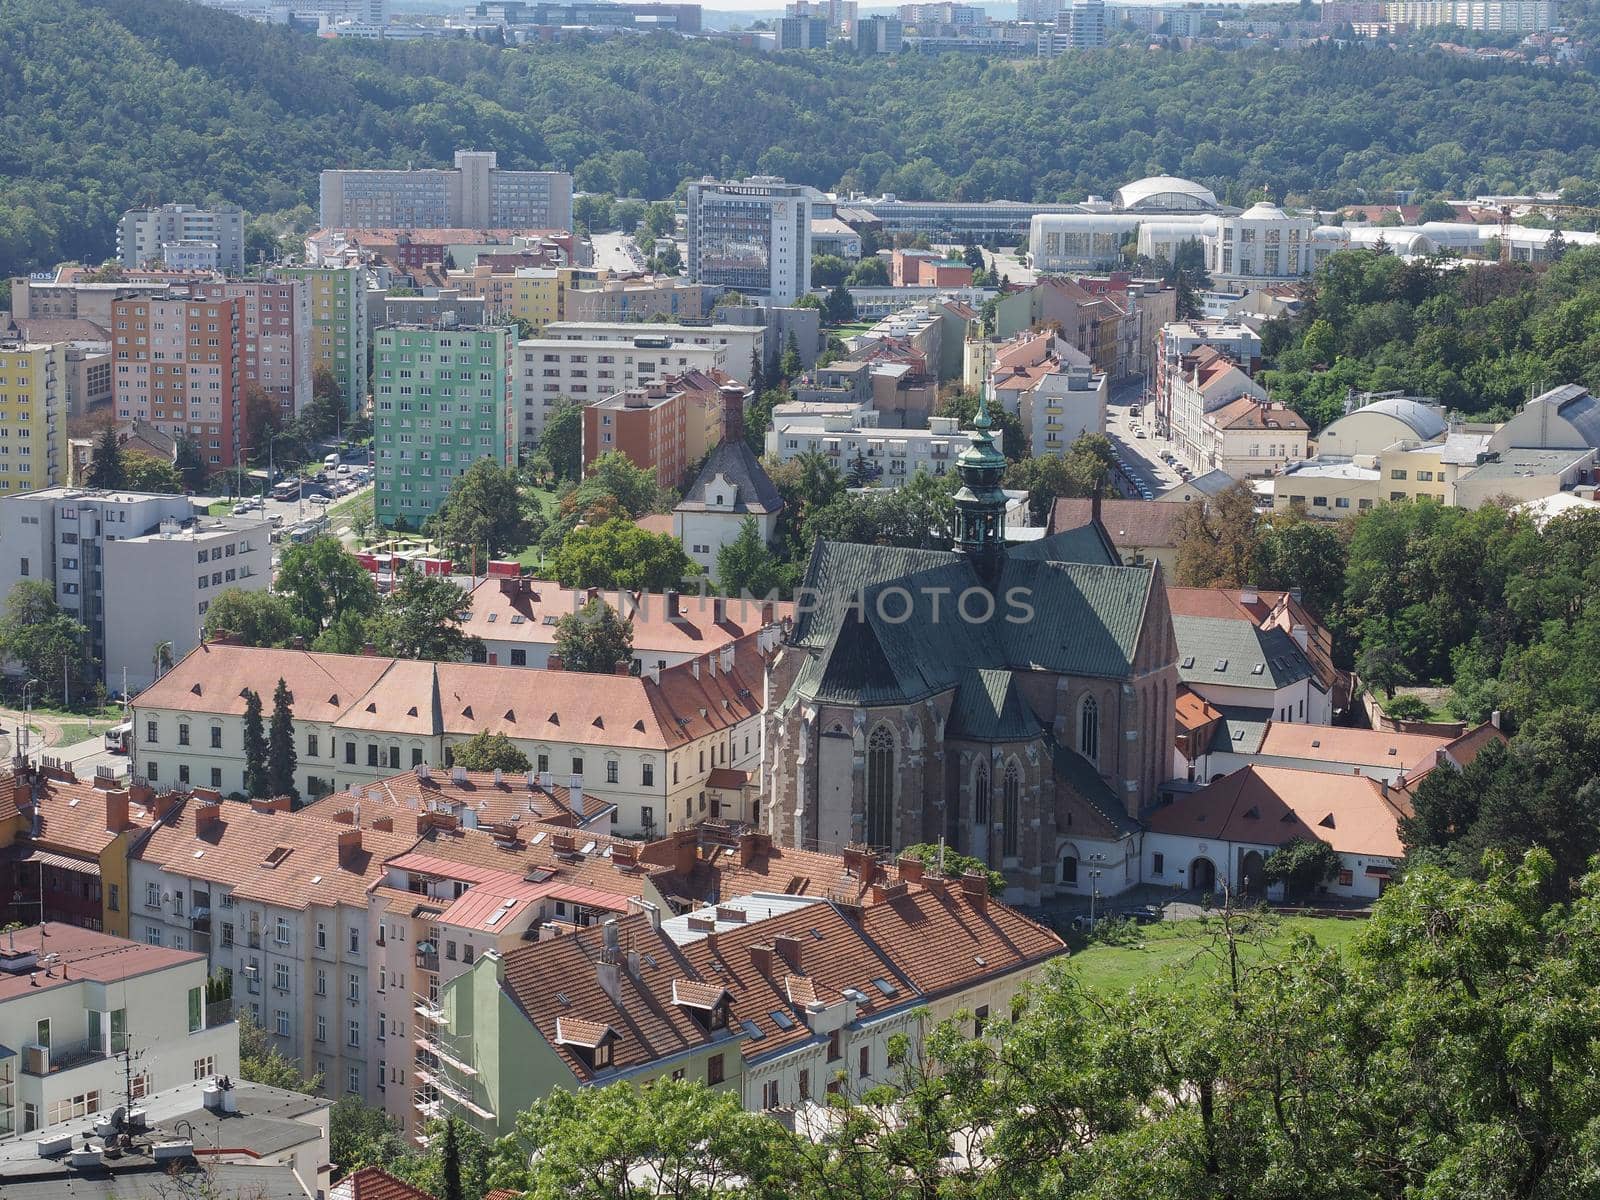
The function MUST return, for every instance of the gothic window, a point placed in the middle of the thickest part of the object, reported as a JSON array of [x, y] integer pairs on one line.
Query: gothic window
[[1012, 800], [980, 796], [880, 787], [1089, 729]]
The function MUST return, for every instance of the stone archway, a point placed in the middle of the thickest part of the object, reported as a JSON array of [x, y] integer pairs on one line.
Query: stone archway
[[1203, 875]]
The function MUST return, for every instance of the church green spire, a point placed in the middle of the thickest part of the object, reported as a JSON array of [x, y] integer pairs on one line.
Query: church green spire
[[981, 503]]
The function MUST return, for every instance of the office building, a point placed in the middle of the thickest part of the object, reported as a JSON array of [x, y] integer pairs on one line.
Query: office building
[[98, 1022], [179, 365], [879, 34], [33, 415], [549, 371], [182, 237], [338, 299], [850, 437], [840, 15], [644, 16], [752, 237], [125, 565], [476, 193], [1480, 16], [743, 345], [957, 221], [277, 336], [441, 403], [802, 33]]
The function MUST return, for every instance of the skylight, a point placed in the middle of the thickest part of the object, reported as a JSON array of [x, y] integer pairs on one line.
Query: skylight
[[884, 986], [754, 1030], [781, 1019]]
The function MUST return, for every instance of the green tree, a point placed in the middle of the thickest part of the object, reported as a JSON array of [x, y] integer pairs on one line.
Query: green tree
[[450, 1163], [618, 554], [594, 639], [1296, 552], [485, 513], [144, 473], [260, 1060], [562, 440], [360, 1135], [871, 271], [953, 865], [256, 782], [1218, 541], [790, 366], [105, 467], [485, 751], [1084, 470], [828, 270], [42, 639], [255, 618], [1301, 865], [840, 308], [422, 617], [672, 1141], [323, 580], [281, 756], [963, 406], [747, 565]]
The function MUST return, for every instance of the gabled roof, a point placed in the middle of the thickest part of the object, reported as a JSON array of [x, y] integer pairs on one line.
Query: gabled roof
[[1236, 653], [374, 1183], [1130, 523], [990, 708], [735, 462], [1270, 805]]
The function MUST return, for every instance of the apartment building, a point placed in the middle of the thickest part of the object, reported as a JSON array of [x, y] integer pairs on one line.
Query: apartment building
[[179, 364], [67, 298], [743, 345], [550, 370], [644, 423], [277, 336], [753, 237], [1249, 437], [730, 489], [338, 299], [802, 33], [1052, 387], [441, 403], [648, 744], [98, 1022], [277, 903], [182, 236], [1481, 16], [779, 997], [1237, 342], [475, 194], [850, 437], [33, 415], [125, 565], [1202, 382]]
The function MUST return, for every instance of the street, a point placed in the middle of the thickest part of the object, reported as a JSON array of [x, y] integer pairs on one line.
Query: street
[[1142, 455], [617, 252]]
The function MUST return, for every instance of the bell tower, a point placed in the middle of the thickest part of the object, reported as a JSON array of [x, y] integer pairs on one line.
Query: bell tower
[[981, 504]]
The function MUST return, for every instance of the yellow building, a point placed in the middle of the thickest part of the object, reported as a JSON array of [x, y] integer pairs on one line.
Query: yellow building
[[33, 415]]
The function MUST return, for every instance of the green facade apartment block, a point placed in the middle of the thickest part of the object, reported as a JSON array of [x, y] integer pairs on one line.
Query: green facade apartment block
[[338, 326], [441, 401]]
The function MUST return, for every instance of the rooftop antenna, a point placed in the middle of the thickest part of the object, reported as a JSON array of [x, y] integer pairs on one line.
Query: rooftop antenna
[[941, 854]]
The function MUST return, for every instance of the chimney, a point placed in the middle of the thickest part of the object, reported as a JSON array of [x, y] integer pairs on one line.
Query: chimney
[[622, 667], [719, 610], [792, 951], [975, 887], [276, 804], [753, 846], [761, 959], [910, 868], [1094, 506], [732, 416], [161, 806], [1301, 635], [370, 650], [1494, 718], [344, 817], [299, 641], [207, 817], [383, 824], [684, 851], [711, 666], [553, 663], [117, 812], [608, 965], [694, 667], [349, 845], [673, 609], [769, 613], [1248, 595], [857, 861]]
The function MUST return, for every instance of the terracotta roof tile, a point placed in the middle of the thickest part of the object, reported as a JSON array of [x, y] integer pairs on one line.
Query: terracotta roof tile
[[1367, 747], [85, 954], [374, 1183], [400, 797], [940, 940], [1131, 523]]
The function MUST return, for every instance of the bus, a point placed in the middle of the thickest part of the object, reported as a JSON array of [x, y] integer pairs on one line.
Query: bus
[[118, 737]]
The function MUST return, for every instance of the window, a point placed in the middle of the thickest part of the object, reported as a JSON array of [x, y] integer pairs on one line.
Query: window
[[150, 733], [355, 941], [353, 987], [227, 933], [835, 1053], [283, 1022], [880, 787], [280, 933], [42, 1032], [1397, 474], [372, 754], [322, 982], [197, 1012], [280, 976], [980, 796], [1346, 877], [322, 1028], [714, 1070], [1158, 864], [805, 1084], [1012, 800], [865, 1064], [769, 1094], [350, 753], [183, 733], [354, 1079], [152, 895], [647, 775], [114, 898], [1089, 729], [577, 766], [980, 1018], [611, 770], [216, 737], [311, 745], [353, 1035]]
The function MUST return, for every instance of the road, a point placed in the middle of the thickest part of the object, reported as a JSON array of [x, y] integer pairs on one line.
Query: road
[[1141, 454], [45, 739], [617, 252]]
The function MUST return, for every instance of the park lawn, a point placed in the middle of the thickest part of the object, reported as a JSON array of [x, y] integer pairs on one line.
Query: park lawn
[[75, 732], [1179, 951]]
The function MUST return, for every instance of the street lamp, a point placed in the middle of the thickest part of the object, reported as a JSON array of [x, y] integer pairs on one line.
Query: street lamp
[[1096, 870], [27, 716]]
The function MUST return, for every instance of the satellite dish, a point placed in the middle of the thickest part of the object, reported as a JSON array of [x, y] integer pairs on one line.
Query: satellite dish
[[119, 1116]]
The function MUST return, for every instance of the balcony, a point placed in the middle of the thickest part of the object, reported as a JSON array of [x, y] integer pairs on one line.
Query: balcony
[[52, 1060], [219, 1012]]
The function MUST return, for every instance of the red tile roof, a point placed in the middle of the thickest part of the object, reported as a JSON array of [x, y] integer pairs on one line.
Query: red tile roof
[[82, 954], [400, 797], [1249, 413], [374, 1183], [1131, 523]]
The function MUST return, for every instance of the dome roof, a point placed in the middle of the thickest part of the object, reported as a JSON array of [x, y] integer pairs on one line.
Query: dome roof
[[1159, 192], [1263, 211], [1424, 419]]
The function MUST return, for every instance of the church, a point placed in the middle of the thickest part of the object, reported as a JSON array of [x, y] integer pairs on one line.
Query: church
[[1015, 700]]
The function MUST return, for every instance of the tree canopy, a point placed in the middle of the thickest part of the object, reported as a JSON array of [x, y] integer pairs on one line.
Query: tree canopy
[[594, 639], [485, 751], [618, 554]]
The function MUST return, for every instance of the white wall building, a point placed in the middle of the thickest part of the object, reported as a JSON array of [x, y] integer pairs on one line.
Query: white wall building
[[742, 345], [891, 455], [144, 235], [753, 237], [476, 194], [546, 370]]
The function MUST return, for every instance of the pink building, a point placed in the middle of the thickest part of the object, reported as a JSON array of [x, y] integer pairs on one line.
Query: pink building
[[277, 336]]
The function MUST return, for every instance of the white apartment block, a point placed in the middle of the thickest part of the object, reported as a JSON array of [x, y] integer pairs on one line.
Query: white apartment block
[[475, 194], [1481, 16], [144, 235], [753, 237], [849, 434], [1064, 405], [75, 1002], [159, 585], [277, 902], [546, 370], [136, 596], [743, 344]]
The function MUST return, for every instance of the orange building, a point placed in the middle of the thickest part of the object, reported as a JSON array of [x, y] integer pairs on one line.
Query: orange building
[[925, 268], [646, 423]]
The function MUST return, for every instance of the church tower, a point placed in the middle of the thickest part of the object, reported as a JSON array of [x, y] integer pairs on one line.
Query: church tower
[[981, 504]]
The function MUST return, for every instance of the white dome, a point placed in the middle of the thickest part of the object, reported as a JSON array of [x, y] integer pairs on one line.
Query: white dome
[[1160, 192], [1263, 211]]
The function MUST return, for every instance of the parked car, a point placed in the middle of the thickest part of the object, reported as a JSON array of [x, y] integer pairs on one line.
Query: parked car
[[318, 500]]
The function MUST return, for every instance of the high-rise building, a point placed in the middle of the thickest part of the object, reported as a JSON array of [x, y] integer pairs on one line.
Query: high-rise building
[[753, 237], [178, 363], [879, 34], [475, 194], [1086, 24], [338, 300], [1481, 16], [33, 414], [802, 33], [441, 402], [277, 336], [182, 236]]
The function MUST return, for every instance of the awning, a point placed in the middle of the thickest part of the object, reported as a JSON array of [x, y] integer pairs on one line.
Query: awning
[[1378, 872], [47, 858]]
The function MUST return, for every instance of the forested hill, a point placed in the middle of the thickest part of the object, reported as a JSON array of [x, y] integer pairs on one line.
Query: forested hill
[[107, 103]]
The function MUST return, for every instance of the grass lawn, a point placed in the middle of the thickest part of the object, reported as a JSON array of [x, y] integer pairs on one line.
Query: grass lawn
[[1181, 951], [74, 733], [545, 498]]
